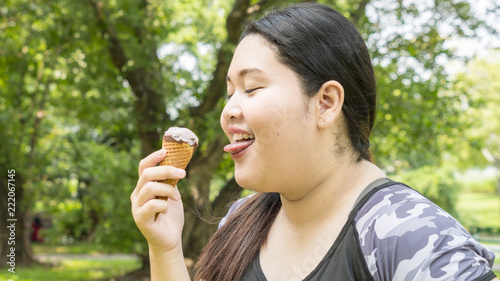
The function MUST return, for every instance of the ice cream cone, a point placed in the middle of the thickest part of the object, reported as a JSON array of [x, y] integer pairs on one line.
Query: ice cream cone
[[180, 144], [178, 155]]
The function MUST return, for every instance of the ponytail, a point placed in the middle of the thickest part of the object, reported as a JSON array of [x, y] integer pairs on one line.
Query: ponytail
[[233, 247]]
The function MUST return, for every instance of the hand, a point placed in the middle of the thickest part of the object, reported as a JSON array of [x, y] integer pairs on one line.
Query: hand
[[165, 233]]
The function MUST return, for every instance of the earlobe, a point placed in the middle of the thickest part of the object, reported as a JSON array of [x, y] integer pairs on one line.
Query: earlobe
[[330, 101]]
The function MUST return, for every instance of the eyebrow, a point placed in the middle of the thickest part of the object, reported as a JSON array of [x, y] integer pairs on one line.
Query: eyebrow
[[245, 71]]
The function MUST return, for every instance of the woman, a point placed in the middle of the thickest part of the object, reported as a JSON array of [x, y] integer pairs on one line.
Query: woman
[[300, 109]]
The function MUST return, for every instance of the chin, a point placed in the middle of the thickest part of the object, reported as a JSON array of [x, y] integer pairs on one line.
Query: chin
[[247, 181], [242, 181]]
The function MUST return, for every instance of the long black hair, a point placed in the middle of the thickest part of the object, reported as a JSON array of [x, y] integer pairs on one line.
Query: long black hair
[[319, 44]]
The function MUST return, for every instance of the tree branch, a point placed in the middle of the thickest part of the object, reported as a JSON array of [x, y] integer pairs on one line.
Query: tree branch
[[359, 13], [115, 49]]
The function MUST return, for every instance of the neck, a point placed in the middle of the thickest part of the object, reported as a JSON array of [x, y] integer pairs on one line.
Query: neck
[[334, 194]]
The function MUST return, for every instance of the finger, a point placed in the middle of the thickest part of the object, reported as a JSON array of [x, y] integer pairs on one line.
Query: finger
[[151, 160], [152, 190], [158, 173], [155, 174], [149, 210]]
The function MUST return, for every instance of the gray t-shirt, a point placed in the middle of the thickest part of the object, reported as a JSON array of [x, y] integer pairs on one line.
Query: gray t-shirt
[[395, 233]]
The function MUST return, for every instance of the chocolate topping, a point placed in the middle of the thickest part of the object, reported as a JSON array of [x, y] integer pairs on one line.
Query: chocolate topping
[[181, 135]]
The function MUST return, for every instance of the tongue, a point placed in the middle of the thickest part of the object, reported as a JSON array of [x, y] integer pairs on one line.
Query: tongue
[[238, 146]]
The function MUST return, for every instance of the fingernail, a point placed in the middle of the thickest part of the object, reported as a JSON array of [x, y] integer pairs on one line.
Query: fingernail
[[181, 172], [161, 153]]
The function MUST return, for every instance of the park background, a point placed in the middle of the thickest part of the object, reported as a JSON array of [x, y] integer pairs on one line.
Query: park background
[[88, 87]]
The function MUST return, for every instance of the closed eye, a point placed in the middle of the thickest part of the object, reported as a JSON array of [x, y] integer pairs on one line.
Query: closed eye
[[249, 91], [252, 90]]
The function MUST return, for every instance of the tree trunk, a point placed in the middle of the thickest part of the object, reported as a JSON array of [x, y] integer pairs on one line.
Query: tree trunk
[[15, 245], [202, 223], [24, 253], [4, 234], [15, 207]]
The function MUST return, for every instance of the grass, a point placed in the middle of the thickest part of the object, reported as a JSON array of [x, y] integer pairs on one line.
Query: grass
[[77, 262], [479, 209], [75, 248], [73, 269]]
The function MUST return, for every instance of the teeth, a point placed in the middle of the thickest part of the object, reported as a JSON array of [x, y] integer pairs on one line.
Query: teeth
[[237, 137]]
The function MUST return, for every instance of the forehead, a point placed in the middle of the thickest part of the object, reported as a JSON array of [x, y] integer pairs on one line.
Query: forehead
[[253, 52]]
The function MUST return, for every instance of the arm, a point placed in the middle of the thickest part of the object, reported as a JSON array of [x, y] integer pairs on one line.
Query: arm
[[410, 238], [163, 234], [168, 266]]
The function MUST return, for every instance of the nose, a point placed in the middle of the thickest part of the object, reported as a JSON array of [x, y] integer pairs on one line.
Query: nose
[[232, 109]]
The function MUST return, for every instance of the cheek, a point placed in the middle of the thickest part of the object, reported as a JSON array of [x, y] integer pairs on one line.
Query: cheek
[[278, 128], [222, 121], [283, 118]]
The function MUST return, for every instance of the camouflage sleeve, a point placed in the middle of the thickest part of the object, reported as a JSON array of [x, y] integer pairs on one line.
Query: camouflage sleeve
[[404, 236]]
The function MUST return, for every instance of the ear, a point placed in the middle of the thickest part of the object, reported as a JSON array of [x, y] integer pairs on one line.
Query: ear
[[330, 99]]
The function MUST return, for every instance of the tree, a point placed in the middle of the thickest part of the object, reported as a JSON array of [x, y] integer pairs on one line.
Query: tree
[[417, 113], [26, 85], [43, 97], [478, 88]]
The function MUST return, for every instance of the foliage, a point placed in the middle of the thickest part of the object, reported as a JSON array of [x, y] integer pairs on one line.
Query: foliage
[[86, 203], [478, 180], [419, 118], [479, 83]]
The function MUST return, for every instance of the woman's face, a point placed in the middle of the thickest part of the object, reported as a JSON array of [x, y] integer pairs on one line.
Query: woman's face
[[266, 119]]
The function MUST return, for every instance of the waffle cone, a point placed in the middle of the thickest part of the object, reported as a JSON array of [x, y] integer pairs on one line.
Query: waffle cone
[[178, 155]]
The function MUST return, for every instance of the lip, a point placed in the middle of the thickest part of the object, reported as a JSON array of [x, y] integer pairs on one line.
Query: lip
[[239, 148], [236, 130]]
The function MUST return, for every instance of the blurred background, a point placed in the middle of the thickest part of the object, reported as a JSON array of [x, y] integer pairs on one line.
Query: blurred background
[[88, 87]]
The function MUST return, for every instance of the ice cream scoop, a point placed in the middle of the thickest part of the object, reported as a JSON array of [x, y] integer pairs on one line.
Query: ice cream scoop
[[180, 144]]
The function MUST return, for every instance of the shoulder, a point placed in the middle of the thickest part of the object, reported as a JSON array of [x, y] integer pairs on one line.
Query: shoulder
[[404, 236], [234, 207]]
